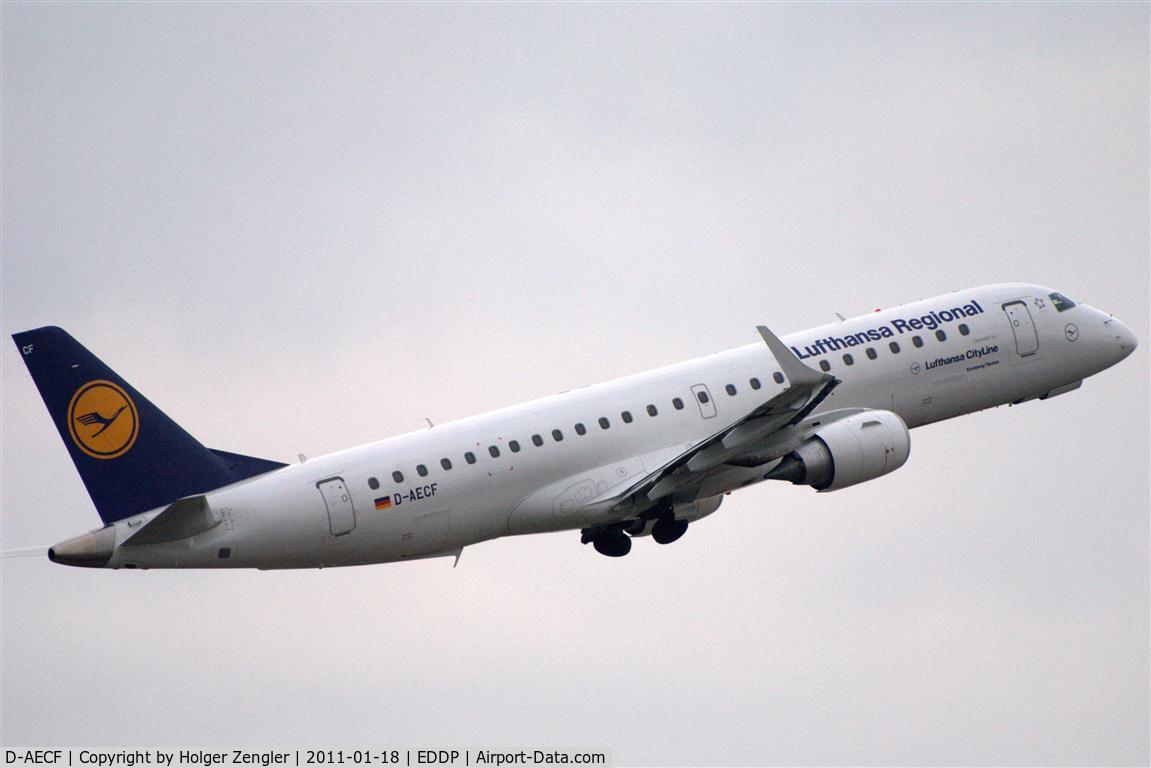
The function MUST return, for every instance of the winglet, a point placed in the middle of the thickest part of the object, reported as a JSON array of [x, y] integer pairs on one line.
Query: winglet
[[795, 371]]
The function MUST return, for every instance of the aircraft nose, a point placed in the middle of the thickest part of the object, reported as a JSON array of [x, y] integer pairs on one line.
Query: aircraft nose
[[1124, 336]]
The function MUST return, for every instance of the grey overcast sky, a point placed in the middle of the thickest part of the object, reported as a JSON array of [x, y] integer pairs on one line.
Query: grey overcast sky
[[301, 227]]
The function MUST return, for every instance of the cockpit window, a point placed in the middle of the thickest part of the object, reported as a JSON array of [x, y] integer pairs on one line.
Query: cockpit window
[[1061, 302]]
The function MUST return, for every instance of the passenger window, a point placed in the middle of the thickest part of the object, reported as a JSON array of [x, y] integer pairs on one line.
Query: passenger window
[[778, 377], [446, 463], [470, 457], [493, 451], [824, 365], [557, 435], [373, 483], [871, 353], [894, 347], [537, 441], [754, 382], [941, 335], [651, 410], [1061, 302], [580, 429], [626, 416], [917, 341], [703, 398], [421, 470], [849, 360], [730, 389], [514, 445], [604, 423], [677, 403], [398, 476], [963, 329]]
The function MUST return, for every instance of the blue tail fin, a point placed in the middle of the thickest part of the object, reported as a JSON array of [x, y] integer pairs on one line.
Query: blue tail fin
[[131, 456]]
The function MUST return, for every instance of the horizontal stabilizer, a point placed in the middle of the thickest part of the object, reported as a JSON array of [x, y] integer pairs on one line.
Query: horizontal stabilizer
[[184, 518]]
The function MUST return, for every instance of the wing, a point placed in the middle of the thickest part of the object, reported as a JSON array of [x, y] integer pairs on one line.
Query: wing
[[92, 418], [806, 389]]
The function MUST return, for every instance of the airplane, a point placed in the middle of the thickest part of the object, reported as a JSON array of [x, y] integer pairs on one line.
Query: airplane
[[642, 456]]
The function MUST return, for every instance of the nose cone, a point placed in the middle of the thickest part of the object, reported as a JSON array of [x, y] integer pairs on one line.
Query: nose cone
[[92, 550], [1125, 337]]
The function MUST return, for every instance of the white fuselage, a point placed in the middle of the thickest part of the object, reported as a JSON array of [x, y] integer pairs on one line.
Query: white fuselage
[[347, 508]]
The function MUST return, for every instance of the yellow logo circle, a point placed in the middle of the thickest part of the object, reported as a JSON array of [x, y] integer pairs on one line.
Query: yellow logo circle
[[102, 420]]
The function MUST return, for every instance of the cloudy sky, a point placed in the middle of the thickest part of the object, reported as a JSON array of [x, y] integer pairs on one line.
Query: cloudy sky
[[301, 227]]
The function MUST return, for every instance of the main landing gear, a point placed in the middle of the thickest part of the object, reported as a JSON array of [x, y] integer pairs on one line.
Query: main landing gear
[[614, 541], [668, 529]]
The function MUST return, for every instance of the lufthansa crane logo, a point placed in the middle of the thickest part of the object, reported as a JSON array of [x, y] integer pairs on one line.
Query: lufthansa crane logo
[[102, 420]]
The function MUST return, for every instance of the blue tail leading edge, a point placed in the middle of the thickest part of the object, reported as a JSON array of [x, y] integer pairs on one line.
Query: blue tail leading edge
[[130, 455]]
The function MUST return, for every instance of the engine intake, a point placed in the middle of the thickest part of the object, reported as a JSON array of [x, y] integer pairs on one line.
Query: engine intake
[[846, 452]]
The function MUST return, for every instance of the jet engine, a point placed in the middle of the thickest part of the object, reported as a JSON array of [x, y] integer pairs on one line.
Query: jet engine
[[847, 451]]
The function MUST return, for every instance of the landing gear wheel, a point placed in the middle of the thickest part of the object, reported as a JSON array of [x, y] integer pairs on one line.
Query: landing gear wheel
[[668, 530], [614, 544]]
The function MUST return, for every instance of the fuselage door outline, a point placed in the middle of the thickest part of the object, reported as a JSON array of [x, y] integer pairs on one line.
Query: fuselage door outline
[[1023, 326], [338, 501], [704, 400]]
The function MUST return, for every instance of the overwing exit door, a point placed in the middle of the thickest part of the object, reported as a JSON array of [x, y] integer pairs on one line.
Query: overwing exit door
[[1023, 326], [341, 513], [703, 400]]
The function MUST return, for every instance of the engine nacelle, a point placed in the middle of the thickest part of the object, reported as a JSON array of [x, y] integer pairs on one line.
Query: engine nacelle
[[848, 451]]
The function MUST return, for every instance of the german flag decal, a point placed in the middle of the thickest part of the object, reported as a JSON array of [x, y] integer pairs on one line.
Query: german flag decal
[[384, 502]]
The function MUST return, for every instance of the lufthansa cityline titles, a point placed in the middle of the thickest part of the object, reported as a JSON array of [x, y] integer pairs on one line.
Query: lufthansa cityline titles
[[971, 354], [928, 322]]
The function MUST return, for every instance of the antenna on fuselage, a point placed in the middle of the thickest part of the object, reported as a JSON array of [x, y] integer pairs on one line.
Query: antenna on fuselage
[[429, 421]]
